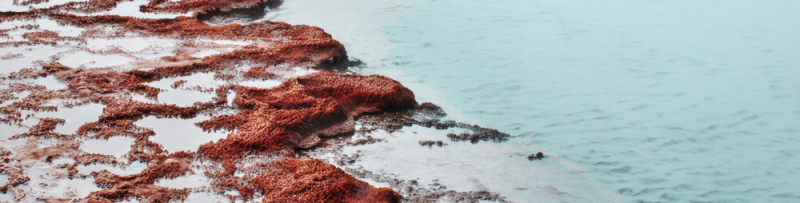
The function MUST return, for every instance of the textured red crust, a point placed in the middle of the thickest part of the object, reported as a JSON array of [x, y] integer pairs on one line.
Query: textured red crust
[[291, 180], [269, 121], [281, 118]]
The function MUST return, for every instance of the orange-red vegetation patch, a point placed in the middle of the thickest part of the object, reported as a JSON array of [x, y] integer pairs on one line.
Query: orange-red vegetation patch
[[205, 8], [44, 128], [132, 109], [64, 148], [15, 176], [28, 2], [9, 56], [282, 118], [259, 73], [292, 180], [272, 121], [140, 185]]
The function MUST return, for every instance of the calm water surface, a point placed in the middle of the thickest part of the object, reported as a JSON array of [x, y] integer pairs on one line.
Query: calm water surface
[[658, 101]]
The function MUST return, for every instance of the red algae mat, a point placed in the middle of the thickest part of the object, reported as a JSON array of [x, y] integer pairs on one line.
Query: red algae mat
[[73, 77]]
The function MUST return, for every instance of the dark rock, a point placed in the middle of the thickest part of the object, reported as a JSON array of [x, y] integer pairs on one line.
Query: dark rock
[[537, 156], [430, 143]]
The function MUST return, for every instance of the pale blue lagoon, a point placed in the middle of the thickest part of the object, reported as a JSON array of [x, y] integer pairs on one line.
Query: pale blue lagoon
[[652, 101]]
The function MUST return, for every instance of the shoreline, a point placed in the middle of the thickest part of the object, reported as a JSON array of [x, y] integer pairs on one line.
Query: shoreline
[[267, 125]]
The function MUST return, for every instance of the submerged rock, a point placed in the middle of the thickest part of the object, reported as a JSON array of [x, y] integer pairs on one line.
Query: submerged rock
[[430, 143], [537, 156], [428, 115]]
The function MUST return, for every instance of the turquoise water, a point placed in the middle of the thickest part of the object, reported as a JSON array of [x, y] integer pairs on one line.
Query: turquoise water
[[659, 101]]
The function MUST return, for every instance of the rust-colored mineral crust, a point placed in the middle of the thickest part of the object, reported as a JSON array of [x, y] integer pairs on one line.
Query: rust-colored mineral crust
[[292, 180], [265, 122]]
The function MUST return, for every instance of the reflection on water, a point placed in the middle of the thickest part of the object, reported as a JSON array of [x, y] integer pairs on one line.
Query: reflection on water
[[131, 8], [51, 83], [204, 80], [9, 5], [11, 130], [202, 197], [188, 181], [7, 197], [177, 134], [48, 181], [16, 29], [183, 97], [92, 60], [133, 168], [117, 145], [75, 117], [17, 58]]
